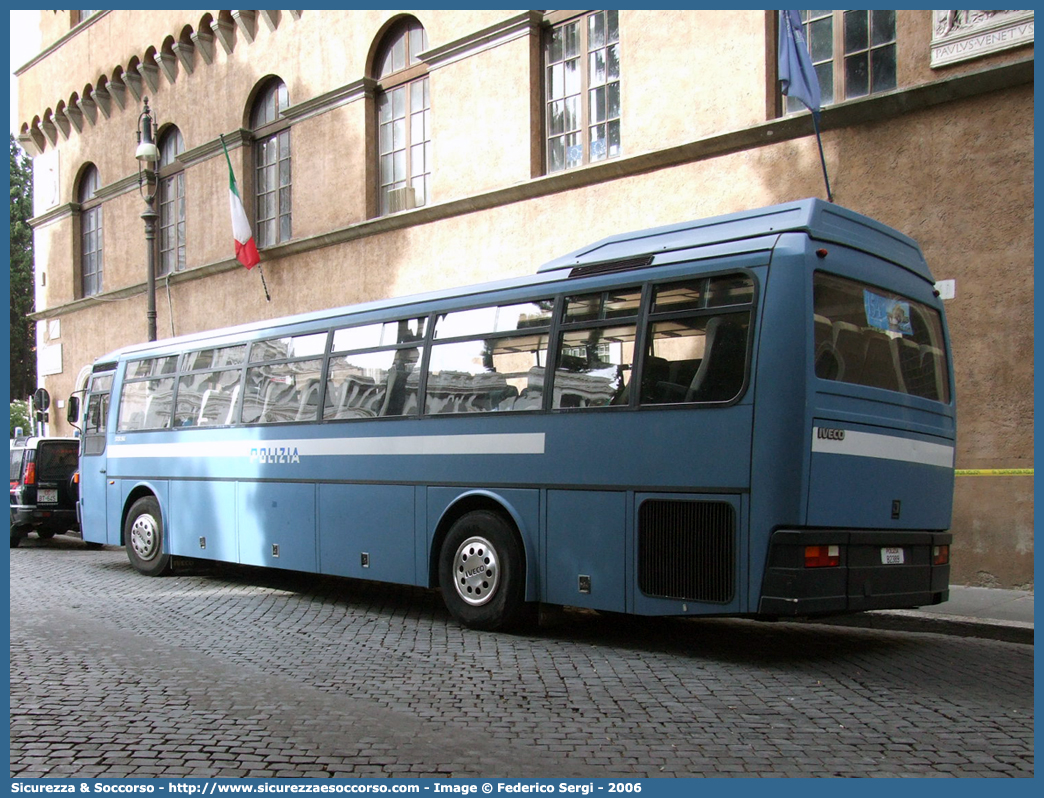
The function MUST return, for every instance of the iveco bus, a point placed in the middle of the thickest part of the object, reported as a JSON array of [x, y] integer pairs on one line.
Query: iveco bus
[[748, 415]]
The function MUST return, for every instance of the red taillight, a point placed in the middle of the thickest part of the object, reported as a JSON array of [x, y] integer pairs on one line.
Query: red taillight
[[940, 555], [822, 556], [30, 474]]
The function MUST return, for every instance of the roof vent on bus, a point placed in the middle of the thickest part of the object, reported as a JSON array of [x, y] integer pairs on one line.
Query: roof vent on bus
[[607, 267]]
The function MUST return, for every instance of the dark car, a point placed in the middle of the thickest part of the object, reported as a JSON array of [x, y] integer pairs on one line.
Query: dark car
[[44, 487]]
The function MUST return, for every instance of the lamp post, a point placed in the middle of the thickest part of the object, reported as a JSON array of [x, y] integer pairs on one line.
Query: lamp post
[[148, 154]]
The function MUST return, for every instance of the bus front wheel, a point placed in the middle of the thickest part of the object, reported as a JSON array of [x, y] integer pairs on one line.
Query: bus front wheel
[[143, 536], [482, 573]]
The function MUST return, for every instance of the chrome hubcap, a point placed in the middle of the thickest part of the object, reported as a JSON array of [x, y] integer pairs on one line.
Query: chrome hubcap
[[144, 537], [476, 571]]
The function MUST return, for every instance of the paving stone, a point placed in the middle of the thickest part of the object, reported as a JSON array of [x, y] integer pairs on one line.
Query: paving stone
[[238, 672]]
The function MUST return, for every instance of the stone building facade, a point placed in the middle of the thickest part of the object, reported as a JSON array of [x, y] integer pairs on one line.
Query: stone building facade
[[397, 152]]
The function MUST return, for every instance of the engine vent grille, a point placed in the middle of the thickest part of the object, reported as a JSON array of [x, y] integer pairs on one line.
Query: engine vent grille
[[687, 550]]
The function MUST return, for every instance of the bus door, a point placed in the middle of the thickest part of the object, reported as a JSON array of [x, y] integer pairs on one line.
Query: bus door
[[94, 481]]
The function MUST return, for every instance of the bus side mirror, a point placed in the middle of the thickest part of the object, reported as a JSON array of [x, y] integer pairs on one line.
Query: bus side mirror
[[72, 415]]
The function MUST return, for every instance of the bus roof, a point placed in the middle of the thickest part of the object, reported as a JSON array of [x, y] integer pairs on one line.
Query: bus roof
[[821, 220], [736, 232]]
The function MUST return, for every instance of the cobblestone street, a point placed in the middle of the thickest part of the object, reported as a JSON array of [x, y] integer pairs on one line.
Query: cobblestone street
[[236, 672]]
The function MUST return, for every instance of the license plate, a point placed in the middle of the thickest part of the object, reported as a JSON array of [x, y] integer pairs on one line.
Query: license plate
[[892, 555], [47, 496]]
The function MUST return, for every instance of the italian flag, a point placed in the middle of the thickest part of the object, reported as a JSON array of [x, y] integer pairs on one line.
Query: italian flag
[[246, 249]]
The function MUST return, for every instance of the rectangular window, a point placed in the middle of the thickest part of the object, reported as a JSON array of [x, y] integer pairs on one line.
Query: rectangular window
[[171, 225], [868, 336], [697, 353], [595, 356], [500, 367], [594, 366], [146, 404], [207, 398], [582, 103], [853, 52], [284, 380], [282, 392], [487, 374], [91, 229], [289, 347], [404, 141], [153, 367], [373, 371], [273, 190]]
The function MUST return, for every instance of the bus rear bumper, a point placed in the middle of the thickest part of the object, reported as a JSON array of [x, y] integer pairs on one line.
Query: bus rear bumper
[[831, 572]]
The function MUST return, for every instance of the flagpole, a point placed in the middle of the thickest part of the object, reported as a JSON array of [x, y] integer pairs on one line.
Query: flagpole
[[261, 271], [246, 250], [822, 158]]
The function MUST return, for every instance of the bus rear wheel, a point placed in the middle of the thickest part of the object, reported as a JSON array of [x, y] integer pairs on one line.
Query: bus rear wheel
[[482, 572], [143, 536]]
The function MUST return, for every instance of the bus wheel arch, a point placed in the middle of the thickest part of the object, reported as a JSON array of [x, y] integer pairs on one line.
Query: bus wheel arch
[[478, 559], [144, 533]]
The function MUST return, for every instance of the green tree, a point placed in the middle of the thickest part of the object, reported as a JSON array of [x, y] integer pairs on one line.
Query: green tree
[[20, 417], [23, 298]]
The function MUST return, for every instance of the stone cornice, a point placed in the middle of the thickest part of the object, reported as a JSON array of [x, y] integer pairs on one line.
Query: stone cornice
[[55, 214], [508, 30], [875, 108], [206, 151], [349, 93], [76, 31]]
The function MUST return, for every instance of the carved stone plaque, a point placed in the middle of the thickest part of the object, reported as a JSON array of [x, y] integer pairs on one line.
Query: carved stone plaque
[[963, 35]]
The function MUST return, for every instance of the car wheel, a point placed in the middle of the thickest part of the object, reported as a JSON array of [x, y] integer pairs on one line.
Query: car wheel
[[482, 572], [143, 538]]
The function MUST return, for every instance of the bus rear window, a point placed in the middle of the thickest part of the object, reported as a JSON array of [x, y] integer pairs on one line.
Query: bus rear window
[[868, 336]]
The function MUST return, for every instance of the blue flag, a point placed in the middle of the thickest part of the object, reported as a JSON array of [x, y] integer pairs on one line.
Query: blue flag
[[796, 73]]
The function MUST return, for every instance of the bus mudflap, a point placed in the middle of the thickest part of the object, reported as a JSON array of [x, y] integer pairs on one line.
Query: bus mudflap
[[831, 572]]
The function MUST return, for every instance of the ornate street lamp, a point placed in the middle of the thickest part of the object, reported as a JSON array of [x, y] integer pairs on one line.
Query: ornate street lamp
[[147, 155]]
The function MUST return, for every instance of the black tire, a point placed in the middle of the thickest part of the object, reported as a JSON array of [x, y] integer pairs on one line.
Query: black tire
[[17, 533], [482, 572], [143, 538]]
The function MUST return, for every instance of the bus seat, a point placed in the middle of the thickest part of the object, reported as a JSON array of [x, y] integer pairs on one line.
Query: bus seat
[[824, 330], [850, 346], [932, 362], [880, 367], [720, 374]]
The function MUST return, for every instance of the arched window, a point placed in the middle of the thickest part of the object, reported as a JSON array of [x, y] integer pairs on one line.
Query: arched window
[[90, 232], [171, 204], [403, 119], [272, 186]]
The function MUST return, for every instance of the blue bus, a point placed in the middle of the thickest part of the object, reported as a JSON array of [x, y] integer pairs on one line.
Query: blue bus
[[749, 415]]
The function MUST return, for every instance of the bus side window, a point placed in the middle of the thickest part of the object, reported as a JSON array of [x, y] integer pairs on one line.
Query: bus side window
[[696, 348], [372, 384], [594, 366], [696, 359], [493, 362]]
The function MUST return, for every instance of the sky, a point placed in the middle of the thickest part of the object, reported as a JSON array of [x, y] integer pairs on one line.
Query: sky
[[25, 43]]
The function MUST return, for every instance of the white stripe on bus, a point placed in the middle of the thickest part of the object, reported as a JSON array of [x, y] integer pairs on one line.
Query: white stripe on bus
[[884, 447], [522, 443]]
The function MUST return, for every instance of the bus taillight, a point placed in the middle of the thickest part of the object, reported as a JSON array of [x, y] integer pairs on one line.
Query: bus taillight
[[940, 555], [822, 556]]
